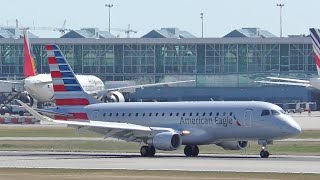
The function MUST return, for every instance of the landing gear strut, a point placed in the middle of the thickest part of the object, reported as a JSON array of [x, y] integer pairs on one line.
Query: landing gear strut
[[147, 151], [191, 150], [264, 153]]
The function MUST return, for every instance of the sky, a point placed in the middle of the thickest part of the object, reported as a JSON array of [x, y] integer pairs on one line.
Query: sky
[[220, 16]]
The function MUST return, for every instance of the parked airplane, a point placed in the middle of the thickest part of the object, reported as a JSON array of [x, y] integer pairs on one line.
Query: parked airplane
[[39, 86], [163, 125], [313, 83]]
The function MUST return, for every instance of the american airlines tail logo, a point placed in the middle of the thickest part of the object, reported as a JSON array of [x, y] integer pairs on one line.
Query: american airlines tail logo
[[225, 121]]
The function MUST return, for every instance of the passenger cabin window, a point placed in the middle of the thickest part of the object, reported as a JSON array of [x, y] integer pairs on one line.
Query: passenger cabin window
[[117, 114], [150, 114], [197, 114], [265, 113], [217, 114], [110, 114], [274, 112], [210, 114], [177, 114], [129, 114], [137, 114], [190, 114], [204, 114], [122, 114], [104, 114], [183, 114], [170, 114], [162, 114], [157, 114], [144, 114]]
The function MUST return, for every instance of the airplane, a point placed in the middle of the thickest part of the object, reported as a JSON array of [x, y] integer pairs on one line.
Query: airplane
[[163, 125], [313, 83], [39, 86]]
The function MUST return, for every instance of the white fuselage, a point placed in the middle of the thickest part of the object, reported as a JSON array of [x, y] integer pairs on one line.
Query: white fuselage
[[207, 122], [40, 86]]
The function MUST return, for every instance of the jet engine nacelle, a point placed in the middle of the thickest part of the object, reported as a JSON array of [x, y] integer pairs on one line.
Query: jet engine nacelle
[[167, 141], [233, 145], [114, 96]]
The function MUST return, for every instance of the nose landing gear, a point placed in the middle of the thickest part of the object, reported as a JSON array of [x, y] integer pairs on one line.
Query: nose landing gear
[[264, 153]]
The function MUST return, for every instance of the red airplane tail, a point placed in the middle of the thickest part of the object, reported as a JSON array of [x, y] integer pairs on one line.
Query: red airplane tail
[[29, 67]]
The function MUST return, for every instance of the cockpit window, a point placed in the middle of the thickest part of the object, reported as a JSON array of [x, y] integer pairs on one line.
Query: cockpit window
[[282, 111], [265, 113], [274, 112]]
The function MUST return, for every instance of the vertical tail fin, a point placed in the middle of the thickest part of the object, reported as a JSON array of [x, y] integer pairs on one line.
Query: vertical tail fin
[[29, 67], [67, 89], [315, 36]]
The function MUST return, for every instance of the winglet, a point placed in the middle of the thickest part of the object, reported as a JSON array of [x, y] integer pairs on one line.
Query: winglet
[[29, 67], [34, 112]]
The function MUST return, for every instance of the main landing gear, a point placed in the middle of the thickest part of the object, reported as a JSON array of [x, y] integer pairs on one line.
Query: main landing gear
[[147, 151], [191, 150], [264, 153]]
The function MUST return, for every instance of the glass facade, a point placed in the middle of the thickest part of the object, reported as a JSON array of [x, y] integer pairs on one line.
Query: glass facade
[[217, 62]]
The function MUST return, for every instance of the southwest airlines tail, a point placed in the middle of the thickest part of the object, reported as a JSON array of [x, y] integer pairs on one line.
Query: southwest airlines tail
[[29, 67], [315, 36], [67, 89]]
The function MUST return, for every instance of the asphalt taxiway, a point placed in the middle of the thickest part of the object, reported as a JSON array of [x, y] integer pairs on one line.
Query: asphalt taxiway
[[224, 163]]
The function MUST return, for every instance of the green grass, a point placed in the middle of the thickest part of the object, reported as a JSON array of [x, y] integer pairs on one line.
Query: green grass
[[313, 134], [35, 174], [302, 148], [15, 131]]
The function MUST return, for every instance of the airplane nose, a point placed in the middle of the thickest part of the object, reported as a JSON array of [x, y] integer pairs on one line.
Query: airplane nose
[[294, 128]]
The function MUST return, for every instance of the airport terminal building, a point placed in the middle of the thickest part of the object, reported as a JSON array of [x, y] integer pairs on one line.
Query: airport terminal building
[[224, 68]]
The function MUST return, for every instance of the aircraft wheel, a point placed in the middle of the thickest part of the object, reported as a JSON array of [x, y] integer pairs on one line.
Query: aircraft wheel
[[147, 151], [152, 151], [195, 150], [264, 154], [144, 151], [191, 150], [188, 150]]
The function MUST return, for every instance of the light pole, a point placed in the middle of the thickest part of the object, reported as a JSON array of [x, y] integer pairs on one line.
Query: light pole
[[201, 16], [280, 5], [109, 6]]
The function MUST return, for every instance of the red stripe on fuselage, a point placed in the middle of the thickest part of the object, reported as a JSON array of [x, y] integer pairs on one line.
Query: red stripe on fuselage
[[56, 74], [77, 116], [317, 59], [52, 60], [59, 88], [72, 102]]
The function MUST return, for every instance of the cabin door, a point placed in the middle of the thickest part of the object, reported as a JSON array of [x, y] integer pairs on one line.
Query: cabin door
[[247, 117]]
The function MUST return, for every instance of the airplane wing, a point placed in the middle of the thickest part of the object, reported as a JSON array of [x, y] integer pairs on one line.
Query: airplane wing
[[124, 131], [103, 92], [148, 85], [288, 79], [284, 83], [13, 81]]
